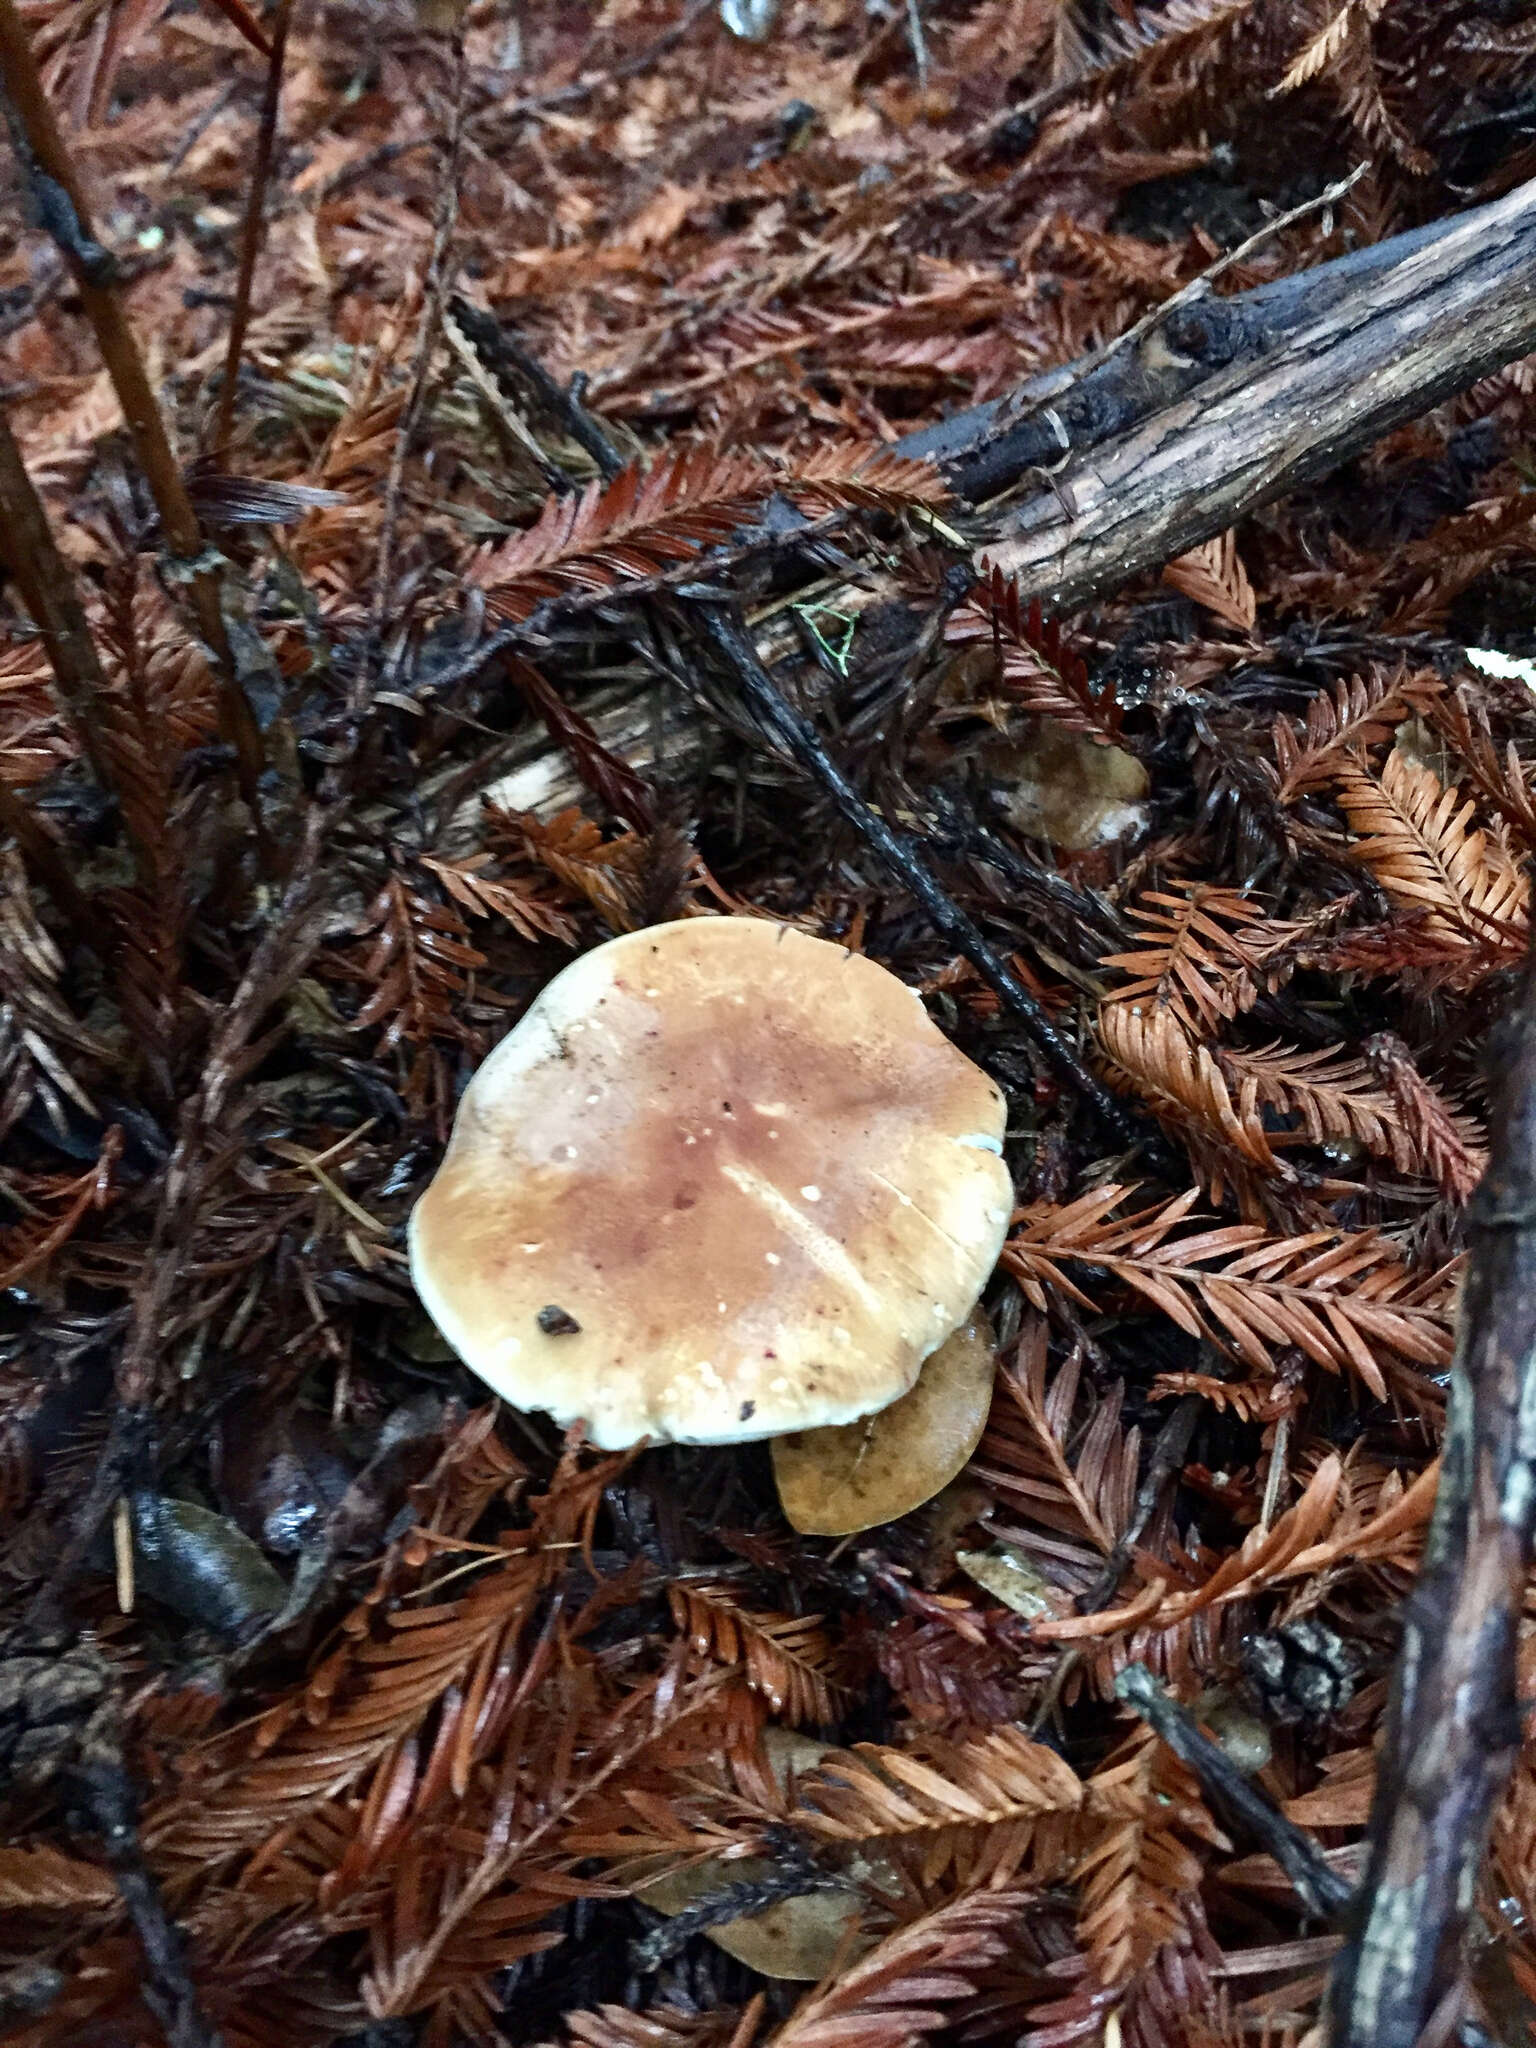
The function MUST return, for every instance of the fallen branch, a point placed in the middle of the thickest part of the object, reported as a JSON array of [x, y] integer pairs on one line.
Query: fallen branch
[[1453, 1728], [1226, 404]]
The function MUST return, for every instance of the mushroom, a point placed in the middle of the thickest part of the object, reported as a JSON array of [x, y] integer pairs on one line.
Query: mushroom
[[835, 1482], [722, 1181]]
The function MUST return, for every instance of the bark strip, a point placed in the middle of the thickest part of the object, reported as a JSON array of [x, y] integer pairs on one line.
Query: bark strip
[[1453, 1726]]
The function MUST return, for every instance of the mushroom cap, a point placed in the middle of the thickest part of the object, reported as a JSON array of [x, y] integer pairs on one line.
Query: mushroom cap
[[835, 1482], [723, 1180]]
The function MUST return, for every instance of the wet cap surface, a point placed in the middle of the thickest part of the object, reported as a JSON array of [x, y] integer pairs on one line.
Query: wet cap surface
[[743, 1163]]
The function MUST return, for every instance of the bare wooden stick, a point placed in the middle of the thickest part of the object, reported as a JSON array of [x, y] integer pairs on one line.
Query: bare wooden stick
[[250, 233], [1453, 1726], [47, 587], [48, 172]]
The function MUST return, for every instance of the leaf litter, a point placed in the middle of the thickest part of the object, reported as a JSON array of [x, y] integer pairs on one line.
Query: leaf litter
[[404, 1790]]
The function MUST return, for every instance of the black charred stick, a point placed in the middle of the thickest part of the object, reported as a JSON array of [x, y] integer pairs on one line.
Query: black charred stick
[[795, 735], [109, 1805], [1320, 1888], [503, 350]]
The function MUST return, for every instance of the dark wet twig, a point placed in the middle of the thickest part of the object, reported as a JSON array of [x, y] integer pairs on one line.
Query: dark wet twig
[[1165, 1462], [110, 1808], [1453, 1725], [504, 354], [1320, 1888], [250, 235], [48, 591], [435, 285], [585, 426], [796, 737], [795, 1876]]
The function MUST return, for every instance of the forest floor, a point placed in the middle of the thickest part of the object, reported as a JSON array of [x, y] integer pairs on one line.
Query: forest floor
[[339, 1703]]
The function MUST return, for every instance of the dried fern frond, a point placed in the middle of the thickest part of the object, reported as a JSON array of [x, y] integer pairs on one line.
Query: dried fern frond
[[1340, 52], [1356, 713], [1185, 38], [1418, 840], [610, 778], [724, 353], [364, 1702], [1152, 1052], [1504, 785], [1252, 1400], [1213, 575], [1336, 1095], [1137, 1875], [640, 525], [483, 896], [661, 2026], [416, 966], [1447, 1144], [1326, 46], [33, 738], [1036, 671], [1455, 554], [456, 1910], [1324, 1529], [1343, 1799], [875, 1792], [1435, 956], [38, 1878], [608, 873], [1343, 1298], [902, 1990], [784, 1656], [1208, 953], [54, 1206], [944, 1679], [647, 521], [863, 474], [1079, 1482]]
